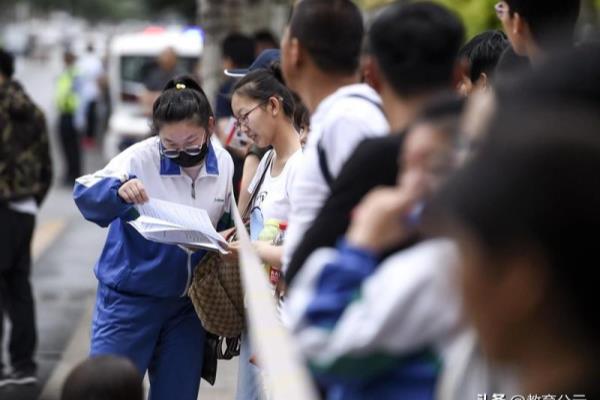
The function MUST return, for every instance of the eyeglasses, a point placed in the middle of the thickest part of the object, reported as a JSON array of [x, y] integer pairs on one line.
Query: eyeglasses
[[501, 9], [243, 119], [174, 153]]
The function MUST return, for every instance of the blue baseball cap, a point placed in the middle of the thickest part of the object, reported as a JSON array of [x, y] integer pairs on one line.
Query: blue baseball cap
[[264, 60]]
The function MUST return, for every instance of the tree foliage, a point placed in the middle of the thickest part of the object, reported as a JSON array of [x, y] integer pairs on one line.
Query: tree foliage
[[479, 15]]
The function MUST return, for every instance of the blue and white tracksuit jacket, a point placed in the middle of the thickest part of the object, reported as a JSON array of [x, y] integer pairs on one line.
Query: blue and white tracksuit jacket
[[377, 330], [142, 311]]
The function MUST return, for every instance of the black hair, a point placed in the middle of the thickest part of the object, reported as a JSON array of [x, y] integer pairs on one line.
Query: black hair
[[416, 46], [102, 378], [263, 83], [483, 53], [265, 35], [182, 99], [239, 48], [534, 185], [331, 31], [7, 64], [552, 22], [572, 78], [301, 114]]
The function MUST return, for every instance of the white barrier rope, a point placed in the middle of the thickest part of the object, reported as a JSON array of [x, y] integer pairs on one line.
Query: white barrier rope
[[286, 376]]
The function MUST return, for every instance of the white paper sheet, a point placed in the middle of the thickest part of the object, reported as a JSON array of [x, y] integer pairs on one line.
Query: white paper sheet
[[171, 223]]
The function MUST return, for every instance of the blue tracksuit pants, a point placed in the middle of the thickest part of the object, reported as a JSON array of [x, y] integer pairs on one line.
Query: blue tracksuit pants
[[160, 335]]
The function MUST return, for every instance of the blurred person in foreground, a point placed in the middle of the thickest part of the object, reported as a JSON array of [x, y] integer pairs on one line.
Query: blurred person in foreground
[[389, 341], [536, 28], [25, 178], [320, 54], [539, 114], [67, 103], [103, 378], [482, 54], [413, 51], [530, 229]]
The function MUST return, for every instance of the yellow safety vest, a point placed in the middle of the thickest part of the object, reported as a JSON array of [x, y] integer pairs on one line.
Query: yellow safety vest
[[66, 97]]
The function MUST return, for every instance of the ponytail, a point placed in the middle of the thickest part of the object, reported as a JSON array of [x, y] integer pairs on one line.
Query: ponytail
[[182, 99]]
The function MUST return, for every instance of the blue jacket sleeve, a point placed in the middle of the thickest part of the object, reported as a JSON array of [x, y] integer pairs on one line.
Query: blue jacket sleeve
[[339, 284], [98, 201]]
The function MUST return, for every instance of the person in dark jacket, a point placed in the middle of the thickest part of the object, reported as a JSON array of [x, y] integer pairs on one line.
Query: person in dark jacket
[[25, 177], [405, 88]]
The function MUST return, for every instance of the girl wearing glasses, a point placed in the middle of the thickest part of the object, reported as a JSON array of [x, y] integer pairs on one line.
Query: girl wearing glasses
[[264, 110], [142, 309]]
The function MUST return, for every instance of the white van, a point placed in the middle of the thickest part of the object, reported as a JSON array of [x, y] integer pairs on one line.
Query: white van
[[131, 56]]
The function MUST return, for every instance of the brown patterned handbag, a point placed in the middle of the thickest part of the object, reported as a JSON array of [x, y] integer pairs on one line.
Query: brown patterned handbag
[[216, 290], [217, 295]]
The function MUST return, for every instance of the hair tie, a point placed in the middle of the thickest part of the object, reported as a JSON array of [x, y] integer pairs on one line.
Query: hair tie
[[180, 86]]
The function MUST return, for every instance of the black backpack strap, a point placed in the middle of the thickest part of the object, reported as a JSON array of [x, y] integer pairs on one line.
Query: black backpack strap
[[323, 164], [321, 150]]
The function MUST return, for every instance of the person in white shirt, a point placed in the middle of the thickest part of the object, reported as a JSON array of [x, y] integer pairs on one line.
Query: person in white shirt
[[264, 110], [90, 71], [325, 75]]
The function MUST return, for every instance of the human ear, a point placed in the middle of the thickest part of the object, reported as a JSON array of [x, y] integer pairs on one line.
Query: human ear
[[461, 70], [275, 105], [210, 126], [518, 24], [483, 81], [372, 73], [295, 52]]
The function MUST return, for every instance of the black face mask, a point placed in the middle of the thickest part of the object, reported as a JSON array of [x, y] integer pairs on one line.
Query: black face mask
[[186, 161]]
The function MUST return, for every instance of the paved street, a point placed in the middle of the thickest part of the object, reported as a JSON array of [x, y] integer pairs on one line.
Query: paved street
[[65, 250]]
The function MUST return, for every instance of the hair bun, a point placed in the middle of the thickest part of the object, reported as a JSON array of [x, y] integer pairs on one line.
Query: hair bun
[[183, 82]]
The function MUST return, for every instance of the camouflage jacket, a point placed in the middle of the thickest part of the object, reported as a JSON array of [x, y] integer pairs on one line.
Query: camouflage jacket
[[25, 164]]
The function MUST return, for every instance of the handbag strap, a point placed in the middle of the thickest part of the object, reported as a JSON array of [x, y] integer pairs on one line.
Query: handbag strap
[[246, 213]]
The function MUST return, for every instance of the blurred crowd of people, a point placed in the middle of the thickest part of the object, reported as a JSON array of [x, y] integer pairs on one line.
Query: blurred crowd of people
[[421, 204]]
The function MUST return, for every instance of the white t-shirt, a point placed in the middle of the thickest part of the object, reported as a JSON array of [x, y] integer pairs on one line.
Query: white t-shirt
[[273, 197], [340, 122], [90, 70]]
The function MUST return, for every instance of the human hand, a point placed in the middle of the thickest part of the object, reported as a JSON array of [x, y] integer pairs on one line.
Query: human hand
[[133, 192], [227, 233], [380, 220], [261, 248], [234, 252]]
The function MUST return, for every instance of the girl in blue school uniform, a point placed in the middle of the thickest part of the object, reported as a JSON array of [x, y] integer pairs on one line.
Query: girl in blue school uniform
[[142, 310]]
